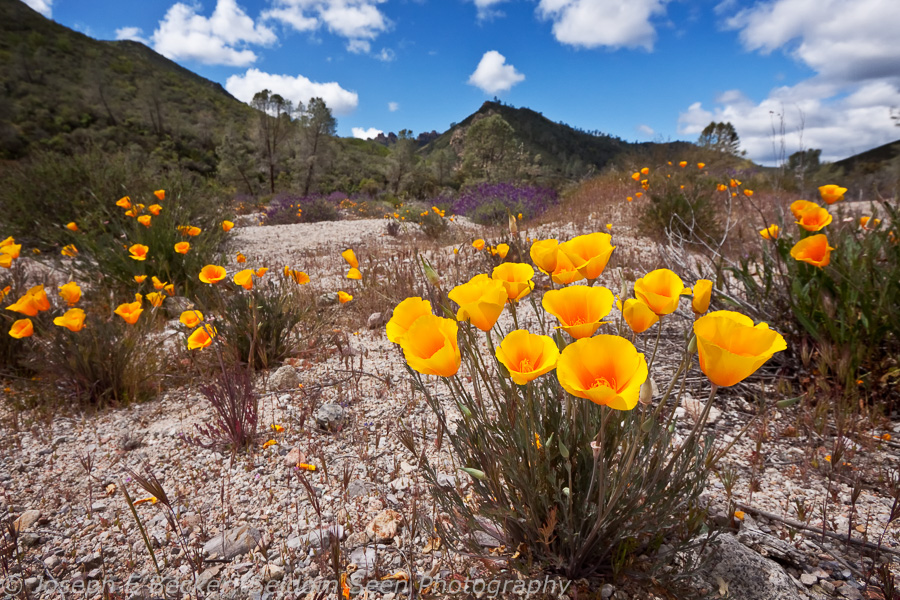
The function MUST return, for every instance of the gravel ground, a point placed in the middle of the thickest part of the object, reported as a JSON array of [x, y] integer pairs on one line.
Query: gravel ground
[[340, 412]]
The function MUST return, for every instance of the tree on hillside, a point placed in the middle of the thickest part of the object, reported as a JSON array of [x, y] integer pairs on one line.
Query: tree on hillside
[[274, 129], [317, 130], [488, 145], [804, 162], [442, 163], [721, 138], [402, 161]]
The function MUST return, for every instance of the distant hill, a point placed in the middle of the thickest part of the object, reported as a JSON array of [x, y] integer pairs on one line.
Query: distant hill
[[61, 89], [562, 148], [870, 160]]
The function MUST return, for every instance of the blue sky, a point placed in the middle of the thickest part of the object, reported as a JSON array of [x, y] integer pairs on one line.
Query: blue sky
[[638, 69]]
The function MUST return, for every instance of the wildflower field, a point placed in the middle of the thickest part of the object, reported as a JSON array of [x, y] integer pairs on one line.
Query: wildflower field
[[659, 383]]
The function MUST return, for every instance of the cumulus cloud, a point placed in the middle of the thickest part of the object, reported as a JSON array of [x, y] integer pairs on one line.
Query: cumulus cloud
[[844, 108], [359, 21], [486, 9], [294, 88], [220, 39], [366, 134], [45, 7], [493, 75], [393, 106], [131, 33], [646, 130], [596, 23], [386, 55], [814, 116]]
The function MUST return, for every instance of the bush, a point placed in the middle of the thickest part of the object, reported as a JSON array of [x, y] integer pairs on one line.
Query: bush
[[108, 362], [286, 209], [491, 203], [261, 325], [847, 314], [681, 204]]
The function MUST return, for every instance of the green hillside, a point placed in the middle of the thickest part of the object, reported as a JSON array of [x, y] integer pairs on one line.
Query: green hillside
[[563, 149], [62, 90]]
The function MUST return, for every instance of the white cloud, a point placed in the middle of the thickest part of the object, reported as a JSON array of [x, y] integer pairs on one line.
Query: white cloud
[[296, 89], [646, 130], [842, 40], [131, 33], [45, 7], [356, 20], [814, 117], [486, 9], [365, 134], [386, 55], [218, 40], [595, 23], [844, 108], [493, 75], [393, 106]]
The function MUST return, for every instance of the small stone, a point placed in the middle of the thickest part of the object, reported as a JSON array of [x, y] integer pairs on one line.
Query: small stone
[[358, 487], [375, 320], [808, 579], [364, 559], [385, 526], [285, 378], [95, 574], [294, 457], [327, 299], [26, 520], [375, 504], [98, 506], [32, 583], [272, 572], [206, 576], [233, 542], [406, 467], [694, 408], [607, 590], [331, 417], [827, 586], [318, 539], [91, 561], [30, 540], [849, 592]]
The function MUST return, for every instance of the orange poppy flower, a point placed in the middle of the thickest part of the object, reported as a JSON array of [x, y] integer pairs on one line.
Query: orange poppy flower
[[770, 232], [354, 273], [580, 309], [814, 218], [227, 225], [138, 252], [543, 254], [124, 202], [798, 206], [140, 278], [212, 274], [191, 318], [645, 171], [182, 247], [350, 257], [405, 314], [682, 164], [156, 299], [69, 250], [481, 301], [11, 250], [527, 356], [636, 176], [589, 254], [244, 278], [201, 337], [832, 193], [344, 297], [478, 244], [72, 226], [144, 220], [813, 250], [262, 271], [430, 346], [129, 311], [702, 293], [605, 369], [638, 315], [72, 319], [721, 187], [71, 293], [154, 209], [170, 289], [660, 290], [193, 231], [21, 329], [732, 348], [160, 195], [157, 284], [701, 165], [516, 278]]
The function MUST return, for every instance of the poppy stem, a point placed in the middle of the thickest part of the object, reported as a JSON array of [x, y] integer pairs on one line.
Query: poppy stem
[[656, 346]]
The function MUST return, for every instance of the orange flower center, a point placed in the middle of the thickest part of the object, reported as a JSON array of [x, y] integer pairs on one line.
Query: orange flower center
[[525, 366], [603, 382]]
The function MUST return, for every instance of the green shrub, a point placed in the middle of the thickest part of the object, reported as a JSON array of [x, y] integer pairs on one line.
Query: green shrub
[[848, 312], [683, 211]]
